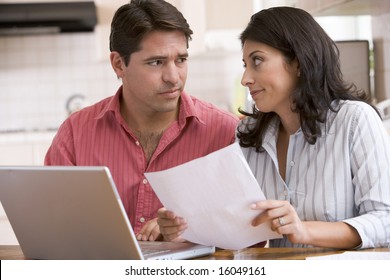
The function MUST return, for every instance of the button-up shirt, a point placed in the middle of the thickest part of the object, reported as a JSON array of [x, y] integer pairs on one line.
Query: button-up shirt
[[344, 176], [99, 136]]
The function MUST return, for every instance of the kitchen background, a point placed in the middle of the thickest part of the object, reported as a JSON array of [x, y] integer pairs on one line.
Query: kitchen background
[[45, 77]]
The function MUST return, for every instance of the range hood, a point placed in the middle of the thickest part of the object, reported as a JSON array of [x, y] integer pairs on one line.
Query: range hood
[[44, 17]]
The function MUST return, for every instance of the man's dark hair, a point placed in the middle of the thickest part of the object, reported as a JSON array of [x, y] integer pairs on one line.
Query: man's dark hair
[[132, 21]]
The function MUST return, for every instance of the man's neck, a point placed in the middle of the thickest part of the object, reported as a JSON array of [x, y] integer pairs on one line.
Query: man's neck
[[143, 120], [157, 122], [148, 128]]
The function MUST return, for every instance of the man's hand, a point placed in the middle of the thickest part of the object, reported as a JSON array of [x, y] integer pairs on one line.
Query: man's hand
[[171, 226], [150, 231]]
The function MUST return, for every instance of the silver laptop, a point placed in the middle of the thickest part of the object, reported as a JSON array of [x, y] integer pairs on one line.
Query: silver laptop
[[76, 213]]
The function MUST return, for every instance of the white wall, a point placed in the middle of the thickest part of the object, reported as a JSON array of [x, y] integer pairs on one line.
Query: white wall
[[38, 74]]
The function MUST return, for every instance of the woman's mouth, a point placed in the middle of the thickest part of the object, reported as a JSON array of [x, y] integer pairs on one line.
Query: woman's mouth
[[255, 92]]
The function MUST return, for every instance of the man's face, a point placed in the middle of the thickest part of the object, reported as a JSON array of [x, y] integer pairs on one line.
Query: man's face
[[156, 74]]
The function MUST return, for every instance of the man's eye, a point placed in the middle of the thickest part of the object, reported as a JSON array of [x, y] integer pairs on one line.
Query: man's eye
[[182, 60], [155, 62]]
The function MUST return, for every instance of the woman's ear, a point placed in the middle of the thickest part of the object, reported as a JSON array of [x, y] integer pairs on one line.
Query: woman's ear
[[297, 67], [117, 63]]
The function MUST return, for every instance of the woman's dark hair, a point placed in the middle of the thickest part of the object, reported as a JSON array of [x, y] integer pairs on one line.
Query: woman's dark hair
[[297, 35], [132, 21]]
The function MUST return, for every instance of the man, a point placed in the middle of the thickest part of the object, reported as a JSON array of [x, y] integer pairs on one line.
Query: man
[[150, 124]]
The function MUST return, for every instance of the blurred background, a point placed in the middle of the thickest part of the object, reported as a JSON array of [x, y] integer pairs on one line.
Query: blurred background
[[47, 73]]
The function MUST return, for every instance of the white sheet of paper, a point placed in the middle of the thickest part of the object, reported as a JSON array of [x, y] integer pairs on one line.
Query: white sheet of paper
[[214, 194]]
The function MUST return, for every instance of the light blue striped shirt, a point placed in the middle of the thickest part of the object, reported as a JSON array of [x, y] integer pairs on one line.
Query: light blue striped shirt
[[345, 176]]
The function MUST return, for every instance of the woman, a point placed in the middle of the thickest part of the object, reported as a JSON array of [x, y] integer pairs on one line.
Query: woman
[[316, 146]]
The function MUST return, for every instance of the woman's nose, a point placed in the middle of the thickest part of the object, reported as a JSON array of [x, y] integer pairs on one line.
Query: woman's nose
[[246, 80]]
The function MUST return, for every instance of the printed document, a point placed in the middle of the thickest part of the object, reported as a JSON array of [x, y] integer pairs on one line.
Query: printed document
[[213, 194]]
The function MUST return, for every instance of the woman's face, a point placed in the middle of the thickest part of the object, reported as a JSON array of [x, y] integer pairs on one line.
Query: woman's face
[[269, 78]]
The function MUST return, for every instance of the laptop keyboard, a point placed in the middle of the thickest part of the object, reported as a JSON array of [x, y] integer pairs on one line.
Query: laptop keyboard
[[152, 248], [151, 252]]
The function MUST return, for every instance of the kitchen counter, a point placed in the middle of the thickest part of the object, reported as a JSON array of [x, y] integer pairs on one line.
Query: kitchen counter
[[24, 148]]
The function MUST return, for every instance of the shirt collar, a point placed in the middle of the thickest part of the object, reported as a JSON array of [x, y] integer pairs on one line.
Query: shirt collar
[[273, 131], [113, 105], [188, 109]]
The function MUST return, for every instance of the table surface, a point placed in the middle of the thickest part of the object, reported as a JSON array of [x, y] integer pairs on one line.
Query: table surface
[[278, 253], [13, 252]]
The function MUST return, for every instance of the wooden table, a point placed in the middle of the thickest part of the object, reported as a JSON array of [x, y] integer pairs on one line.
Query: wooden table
[[13, 252], [278, 253]]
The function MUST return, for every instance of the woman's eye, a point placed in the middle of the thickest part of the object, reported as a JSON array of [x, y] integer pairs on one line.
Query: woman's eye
[[257, 61]]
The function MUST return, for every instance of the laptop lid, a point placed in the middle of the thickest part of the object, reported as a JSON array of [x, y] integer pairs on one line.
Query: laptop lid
[[72, 212]]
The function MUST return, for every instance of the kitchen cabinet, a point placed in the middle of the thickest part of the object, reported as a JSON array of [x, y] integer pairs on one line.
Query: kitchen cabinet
[[27, 148], [344, 7]]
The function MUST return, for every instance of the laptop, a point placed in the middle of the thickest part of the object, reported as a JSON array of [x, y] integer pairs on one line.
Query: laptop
[[74, 212]]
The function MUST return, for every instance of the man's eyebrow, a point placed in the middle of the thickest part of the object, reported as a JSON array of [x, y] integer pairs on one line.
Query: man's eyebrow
[[183, 54], [161, 57], [157, 57]]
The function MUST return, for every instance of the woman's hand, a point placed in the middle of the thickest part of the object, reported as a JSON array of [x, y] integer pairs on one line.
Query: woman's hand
[[283, 219], [171, 226]]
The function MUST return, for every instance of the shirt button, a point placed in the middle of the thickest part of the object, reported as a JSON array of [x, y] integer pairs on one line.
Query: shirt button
[[142, 220], [137, 143], [145, 181], [292, 163], [285, 193]]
